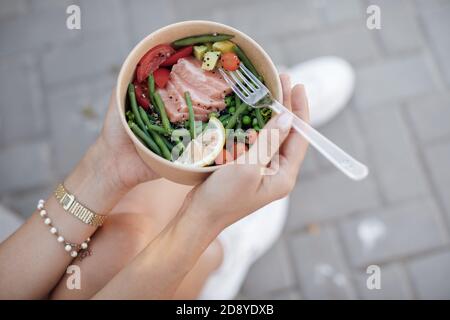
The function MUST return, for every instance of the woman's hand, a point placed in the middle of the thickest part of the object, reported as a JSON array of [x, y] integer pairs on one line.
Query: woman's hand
[[131, 170], [110, 168], [228, 195], [234, 191]]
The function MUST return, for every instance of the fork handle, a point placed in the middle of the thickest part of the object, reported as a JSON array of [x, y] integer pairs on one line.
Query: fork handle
[[338, 157]]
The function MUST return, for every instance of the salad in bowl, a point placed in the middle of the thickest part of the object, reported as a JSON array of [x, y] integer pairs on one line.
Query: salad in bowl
[[179, 110]]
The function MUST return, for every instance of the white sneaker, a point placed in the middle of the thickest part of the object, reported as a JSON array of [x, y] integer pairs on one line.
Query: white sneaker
[[329, 83], [243, 243]]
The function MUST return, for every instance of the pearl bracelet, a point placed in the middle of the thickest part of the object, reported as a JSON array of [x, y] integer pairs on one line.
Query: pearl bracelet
[[71, 248]]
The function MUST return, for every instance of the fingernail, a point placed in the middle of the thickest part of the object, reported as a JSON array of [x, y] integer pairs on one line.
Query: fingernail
[[284, 121]]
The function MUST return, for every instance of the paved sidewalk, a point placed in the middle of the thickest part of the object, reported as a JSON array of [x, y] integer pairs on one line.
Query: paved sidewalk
[[55, 85]]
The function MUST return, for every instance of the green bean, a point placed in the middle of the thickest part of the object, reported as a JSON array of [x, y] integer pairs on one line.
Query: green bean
[[201, 39], [246, 61], [151, 85], [224, 118], [168, 144], [234, 118], [130, 115], [151, 92], [259, 117], [162, 146], [134, 107], [162, 111], [192, 128], [144, 137], [156, 128], [148, 124]]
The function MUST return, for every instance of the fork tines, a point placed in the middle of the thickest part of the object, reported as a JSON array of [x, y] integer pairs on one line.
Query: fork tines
[[244, 83]]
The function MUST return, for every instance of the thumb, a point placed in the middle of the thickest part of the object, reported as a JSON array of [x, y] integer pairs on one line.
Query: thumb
[[270, 139]]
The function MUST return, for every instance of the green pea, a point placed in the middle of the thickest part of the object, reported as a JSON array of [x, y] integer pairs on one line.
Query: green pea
[[254, 121], [246, 120], [232, 110]]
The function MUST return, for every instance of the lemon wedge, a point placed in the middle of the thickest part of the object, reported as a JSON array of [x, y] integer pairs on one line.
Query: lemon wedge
[[205, 148]]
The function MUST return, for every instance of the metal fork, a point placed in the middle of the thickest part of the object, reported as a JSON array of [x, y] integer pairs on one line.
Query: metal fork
[[248, 87]]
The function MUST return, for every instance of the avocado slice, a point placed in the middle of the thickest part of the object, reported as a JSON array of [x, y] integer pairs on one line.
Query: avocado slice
[[210, 60], [199, 51], [223, 46]]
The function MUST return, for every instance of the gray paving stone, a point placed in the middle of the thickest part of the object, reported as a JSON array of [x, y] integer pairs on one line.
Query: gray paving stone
[[24, 166], [320, 266], [21, 109], [342, 11], [337, 41], [393, 154], [310, 165], [430, 116], [45, 4], [98, 18], [400, 30], [289, 15], [214, 10], [345, 132], [36, 29], [85, 105], [330, 195], [438, 159], [9, 9], [429, 275], [274, 48], [272, 272], [394, 79], [437, 23], [286, 294], [144, 17], [394, 232], [84, 58], [394, 284]]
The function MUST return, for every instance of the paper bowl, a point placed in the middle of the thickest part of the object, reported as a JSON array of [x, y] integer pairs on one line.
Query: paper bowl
[[169, 170]]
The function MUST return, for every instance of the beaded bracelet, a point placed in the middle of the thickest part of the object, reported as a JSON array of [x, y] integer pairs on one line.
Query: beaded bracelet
[[71, 248]]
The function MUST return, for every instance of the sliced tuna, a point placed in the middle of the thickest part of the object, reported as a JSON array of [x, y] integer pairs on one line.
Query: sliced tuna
[[207, 90]]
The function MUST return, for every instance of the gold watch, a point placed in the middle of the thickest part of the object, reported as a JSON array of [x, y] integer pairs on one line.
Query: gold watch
[[71, 205]]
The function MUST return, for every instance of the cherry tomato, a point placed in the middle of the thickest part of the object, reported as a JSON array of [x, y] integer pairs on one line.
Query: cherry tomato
[[230, 61], [183, 52], [142, 95], [161, 76], [152, 60]]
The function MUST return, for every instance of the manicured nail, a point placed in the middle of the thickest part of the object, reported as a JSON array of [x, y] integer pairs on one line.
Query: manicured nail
[[284, 121]]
